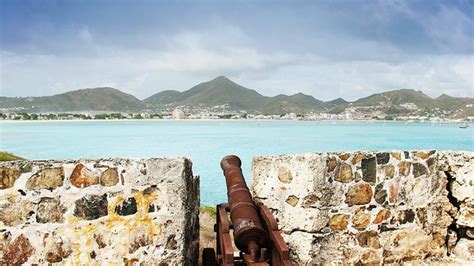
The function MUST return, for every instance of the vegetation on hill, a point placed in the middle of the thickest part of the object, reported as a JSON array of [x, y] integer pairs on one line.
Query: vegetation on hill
[[5, 156], [98, 99], [392, 102], [164, 97], [397, 97], [223, 93]]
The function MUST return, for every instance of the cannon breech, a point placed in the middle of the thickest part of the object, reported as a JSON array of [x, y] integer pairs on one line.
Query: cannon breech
[[254, 230]]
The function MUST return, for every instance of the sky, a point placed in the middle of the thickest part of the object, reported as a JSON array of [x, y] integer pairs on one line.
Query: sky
[[327, 49]]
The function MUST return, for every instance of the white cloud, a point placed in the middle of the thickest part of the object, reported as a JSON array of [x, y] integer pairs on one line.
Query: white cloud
[[85, 35], [348, 68]]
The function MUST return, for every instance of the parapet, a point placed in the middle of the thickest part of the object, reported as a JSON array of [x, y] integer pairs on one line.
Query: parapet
[[371, 207], [119, 211]]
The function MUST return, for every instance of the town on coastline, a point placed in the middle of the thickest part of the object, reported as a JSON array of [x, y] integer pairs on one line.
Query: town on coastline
[[221, 98], [222, 112]]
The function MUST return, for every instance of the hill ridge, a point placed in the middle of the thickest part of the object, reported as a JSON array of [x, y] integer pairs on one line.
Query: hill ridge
[[221, 92]]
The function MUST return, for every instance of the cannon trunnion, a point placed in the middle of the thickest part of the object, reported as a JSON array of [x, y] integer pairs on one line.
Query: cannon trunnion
[[255, 230]]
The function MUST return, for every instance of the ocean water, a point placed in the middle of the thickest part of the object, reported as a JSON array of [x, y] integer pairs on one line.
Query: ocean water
[[206, 142]]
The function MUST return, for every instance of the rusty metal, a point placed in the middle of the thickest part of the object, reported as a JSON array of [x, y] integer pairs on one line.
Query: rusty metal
[[255, 230]]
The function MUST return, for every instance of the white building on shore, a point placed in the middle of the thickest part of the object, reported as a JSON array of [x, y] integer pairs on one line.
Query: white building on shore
[[178, 114]]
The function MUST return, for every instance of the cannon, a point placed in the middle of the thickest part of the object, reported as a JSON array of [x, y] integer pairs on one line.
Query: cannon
[[255, 230]]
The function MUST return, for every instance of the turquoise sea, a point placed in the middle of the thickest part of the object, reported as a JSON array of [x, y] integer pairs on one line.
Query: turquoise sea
[[206, 142]]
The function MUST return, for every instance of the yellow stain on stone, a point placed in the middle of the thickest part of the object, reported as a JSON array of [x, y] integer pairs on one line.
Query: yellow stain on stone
[[422, 155], [396, 155], [82, 241], [82, 237]]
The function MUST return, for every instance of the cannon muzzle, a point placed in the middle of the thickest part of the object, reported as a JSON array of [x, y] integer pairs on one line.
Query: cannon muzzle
[[255, 230]]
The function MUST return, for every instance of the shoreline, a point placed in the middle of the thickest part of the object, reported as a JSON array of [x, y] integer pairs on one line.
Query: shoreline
[[221, 120]]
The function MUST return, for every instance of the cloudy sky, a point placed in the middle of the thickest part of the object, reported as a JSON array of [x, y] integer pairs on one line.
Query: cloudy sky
[[328, 49]]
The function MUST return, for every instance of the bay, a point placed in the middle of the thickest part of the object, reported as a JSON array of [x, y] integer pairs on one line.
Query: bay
[[206, 142]]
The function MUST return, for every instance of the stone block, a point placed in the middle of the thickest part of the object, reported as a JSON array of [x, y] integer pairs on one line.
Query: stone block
[[397, 208], [47, 178], [91, 212], [8, 176]]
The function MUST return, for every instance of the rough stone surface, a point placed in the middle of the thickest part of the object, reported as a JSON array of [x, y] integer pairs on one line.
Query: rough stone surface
[[128, 207], [382, 215], [8, 176], [49, 210], [91, 207], [284, 175], [14, 210], [83, 177], [344, 173], [419, 170], [389, 171], [48, 178], [357, 158], [383, 157], [344, 156], [465, 249], [404, 168], [369, 239], [146, 215], [361, 220], [16, 252], [109, 177], [339, 222], [332, 163], [396, 155], [369, 170], [380, 194], [399, 207], [359, 194]]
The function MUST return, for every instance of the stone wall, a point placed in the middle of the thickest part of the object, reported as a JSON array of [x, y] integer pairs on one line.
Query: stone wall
[[88, 212], [371, 207]]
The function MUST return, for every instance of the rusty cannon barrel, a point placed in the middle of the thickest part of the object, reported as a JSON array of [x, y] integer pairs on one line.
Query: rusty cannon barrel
[[249, 234]]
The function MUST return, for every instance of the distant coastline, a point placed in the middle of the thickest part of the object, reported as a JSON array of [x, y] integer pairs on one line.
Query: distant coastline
[[227, 120], [223, 98]]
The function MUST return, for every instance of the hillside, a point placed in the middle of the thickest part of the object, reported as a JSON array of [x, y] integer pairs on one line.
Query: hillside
[[296, 103], [6, 156], [97, 99], [164, 97], [397, 97], [223, 91], [411, 101], [337, 101]]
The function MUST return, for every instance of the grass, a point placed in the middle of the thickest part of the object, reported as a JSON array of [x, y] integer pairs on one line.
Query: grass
[[5, 156], [211, 210]]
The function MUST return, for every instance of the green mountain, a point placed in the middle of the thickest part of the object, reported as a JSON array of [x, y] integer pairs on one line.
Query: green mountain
[[337, 101], [98, 99], [447, 102], [296, 103], [164, 97], [406, 101], [397, 97], [418, 98], [223, 91]]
